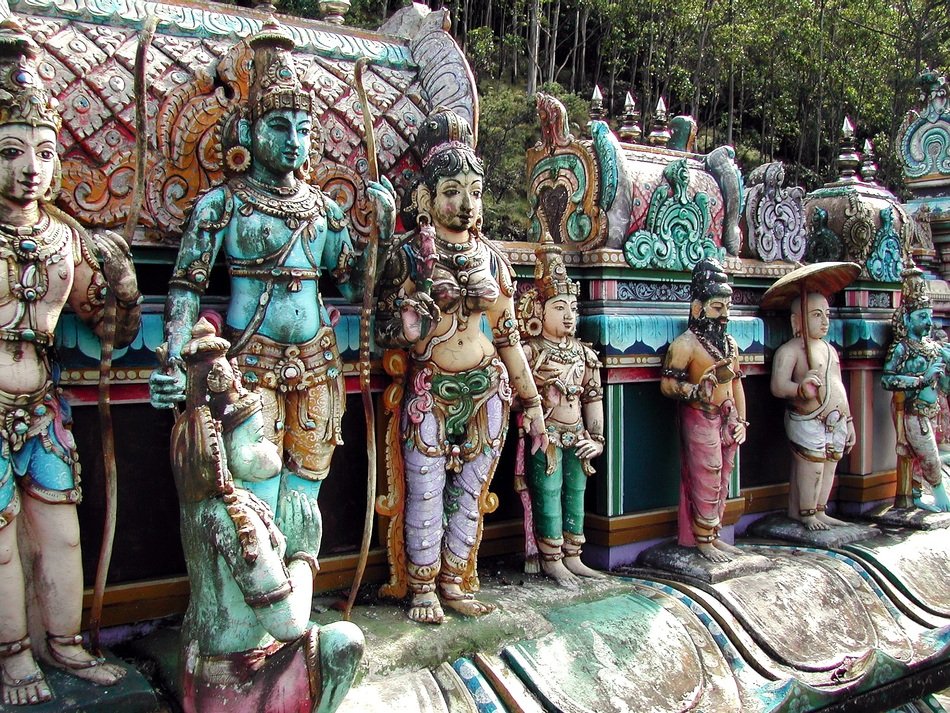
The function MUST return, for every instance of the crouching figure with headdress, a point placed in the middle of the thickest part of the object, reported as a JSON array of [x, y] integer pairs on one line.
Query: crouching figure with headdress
[[50, 261], [247, 641], [916, 371], [567, 374], [701, 371], [437, 284], [279, 236]]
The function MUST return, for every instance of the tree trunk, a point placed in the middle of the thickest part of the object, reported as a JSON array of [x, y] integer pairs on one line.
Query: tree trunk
[[552, 40], [534, 12]]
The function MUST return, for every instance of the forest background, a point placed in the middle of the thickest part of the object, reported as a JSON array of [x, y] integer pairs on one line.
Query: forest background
[[773, 78]]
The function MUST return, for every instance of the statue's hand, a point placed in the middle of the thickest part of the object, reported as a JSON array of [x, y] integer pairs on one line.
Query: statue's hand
[[383, 197], [587, 448], [117, 265], [852, 437], [933, 372], [808, 387], [414, 310], [301, 523], [166, 387], [739, 432], [534, 427], [707, 385]]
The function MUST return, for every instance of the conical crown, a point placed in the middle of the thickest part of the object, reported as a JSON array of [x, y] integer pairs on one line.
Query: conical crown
[[914, 290], [550, 274], [444, 130], [275, 84], [24, 98]]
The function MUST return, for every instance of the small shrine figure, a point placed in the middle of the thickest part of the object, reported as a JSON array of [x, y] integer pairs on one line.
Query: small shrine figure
[[567, 374], [279, 235], [50, 261], [916, 371], [437, 284], [701, 370], [247, 641], [806, 372]]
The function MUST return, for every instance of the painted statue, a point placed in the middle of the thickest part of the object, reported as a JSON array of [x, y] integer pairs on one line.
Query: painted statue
[[701, 371], [567, 374], [806, 372], [437, 284], [247, 641], [916, 371], [51, 262], [279, 235]]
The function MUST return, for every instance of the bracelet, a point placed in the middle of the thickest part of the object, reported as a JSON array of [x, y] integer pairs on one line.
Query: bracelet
[[744, 423], [130, 304], [597, 438], [532, 401], [310, 560]]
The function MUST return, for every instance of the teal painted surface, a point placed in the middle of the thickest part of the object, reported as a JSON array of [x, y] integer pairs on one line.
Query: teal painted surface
[[647, 334], [482, 693], [206, 23]]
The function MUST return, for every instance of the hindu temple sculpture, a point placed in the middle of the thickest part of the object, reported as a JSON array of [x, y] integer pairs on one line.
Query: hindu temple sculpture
[[567, 374], [916, 371], [279, 235], [806, 372], [247, 641], [437, 283], [701, 370], [51, 261]]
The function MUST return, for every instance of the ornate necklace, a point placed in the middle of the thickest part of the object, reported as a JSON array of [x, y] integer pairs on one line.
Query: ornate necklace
[[714, 351], [302, 202], [564, 353], [927, 349]]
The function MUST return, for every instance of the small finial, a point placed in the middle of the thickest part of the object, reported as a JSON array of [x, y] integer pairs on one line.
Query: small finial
[[332, 11], [630, 128], [596, 111], [848, 159], [660, 133], [869, 166]]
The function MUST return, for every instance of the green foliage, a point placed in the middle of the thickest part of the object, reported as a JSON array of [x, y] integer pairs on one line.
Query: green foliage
[[481, 48]]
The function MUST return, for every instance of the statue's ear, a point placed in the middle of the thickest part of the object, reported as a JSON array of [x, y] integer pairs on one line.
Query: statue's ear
[[695, 309], [244, 133], [423, 198], [796, 322]]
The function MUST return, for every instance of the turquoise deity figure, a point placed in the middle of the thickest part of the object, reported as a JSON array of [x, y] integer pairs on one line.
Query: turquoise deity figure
[[278, 235], [567, 374], [247, 641], [50, 261], [916, 371], [437, 284]]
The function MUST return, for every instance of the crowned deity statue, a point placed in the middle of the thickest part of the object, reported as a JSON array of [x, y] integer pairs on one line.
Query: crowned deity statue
[[701, 371], [806, 372], [247, 642], [916, 371], [279, 235], [567, 374], [51, 261], [437, 284]]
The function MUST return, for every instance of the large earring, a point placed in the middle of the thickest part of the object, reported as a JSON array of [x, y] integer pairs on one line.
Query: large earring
[[303, 173], [237, 159], [56, 184]]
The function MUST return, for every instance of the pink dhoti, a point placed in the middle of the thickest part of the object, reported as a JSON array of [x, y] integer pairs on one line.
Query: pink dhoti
[[707, 452]]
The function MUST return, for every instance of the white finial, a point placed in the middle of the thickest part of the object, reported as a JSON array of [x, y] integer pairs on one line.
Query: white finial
[[868, 148], [847, 128], [597, 96], [629, 104], [661, 107]]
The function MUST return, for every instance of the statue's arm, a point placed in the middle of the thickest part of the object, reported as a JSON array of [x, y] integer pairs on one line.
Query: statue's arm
[[674, 377], [116, 273], [339, 256], [592, 398], [893, 379], [200, 244], [783, 386]]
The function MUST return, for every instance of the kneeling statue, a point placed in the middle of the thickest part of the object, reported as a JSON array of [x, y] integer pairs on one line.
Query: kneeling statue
[[247, 641]]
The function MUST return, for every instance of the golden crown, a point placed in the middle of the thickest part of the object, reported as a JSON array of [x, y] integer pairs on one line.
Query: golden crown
[[275, 84], [24, 98], [550, 274]]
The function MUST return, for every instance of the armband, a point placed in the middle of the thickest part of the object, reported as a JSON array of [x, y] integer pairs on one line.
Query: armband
[[669, 372], [193, 276], [532, 401], [130, 304], [310, 560], [278, 594], [506, 333], [592, 393]]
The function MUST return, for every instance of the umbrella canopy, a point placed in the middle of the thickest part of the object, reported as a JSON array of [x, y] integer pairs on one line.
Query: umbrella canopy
[[824, 277]]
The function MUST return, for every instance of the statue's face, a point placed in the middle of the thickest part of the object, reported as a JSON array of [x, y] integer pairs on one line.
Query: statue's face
[[716, 309], [280, 140], [457, 203], [27, 163], [818, 315], [919, 323], [560, 317]]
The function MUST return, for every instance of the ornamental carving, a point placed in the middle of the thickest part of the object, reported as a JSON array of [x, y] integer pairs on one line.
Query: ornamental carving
[[924, 137], [775, 216]]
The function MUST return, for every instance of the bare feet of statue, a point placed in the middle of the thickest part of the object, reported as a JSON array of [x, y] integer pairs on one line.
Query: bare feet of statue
[[712, 553], [425, 608], [21, 679], [558, 571], [811, 522], [574, 564], [727, 548], [67, 653], [463, 602], [828, 520]]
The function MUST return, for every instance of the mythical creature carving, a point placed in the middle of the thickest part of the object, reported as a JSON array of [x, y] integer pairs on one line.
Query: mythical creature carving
[[775, 216]]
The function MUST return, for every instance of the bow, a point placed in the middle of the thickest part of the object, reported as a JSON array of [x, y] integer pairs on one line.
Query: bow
[[108, 340], [364, 360]]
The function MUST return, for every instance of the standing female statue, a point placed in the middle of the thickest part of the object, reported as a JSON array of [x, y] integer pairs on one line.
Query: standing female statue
[[49, 261], [438, 282]]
